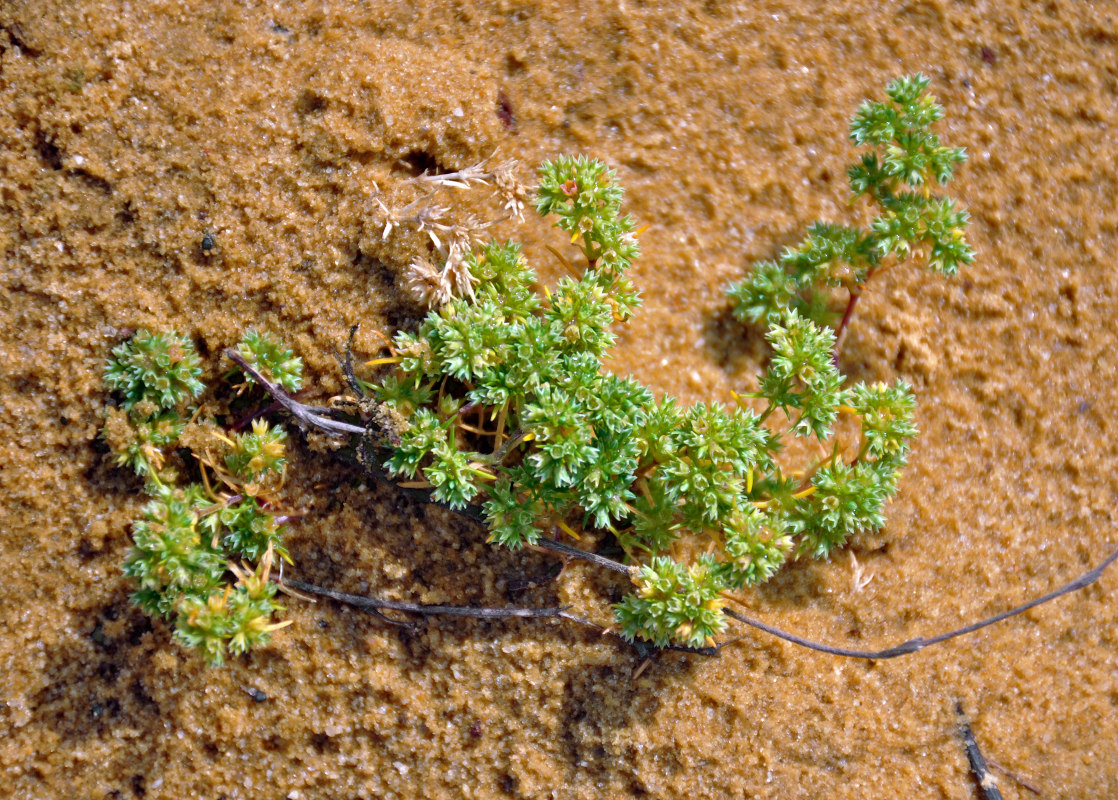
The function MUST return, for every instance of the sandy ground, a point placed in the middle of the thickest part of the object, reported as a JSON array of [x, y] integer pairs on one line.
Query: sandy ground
[[130, 130]]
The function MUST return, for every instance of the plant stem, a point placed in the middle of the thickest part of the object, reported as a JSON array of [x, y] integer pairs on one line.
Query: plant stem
[[840, 332], [376, 606], [307, 415]]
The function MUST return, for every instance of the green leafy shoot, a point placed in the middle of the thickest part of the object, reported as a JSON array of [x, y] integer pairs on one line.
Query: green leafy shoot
[[190, 537], [274, 361], [502, 402], [675, 604], [154, 368], [154, 375], [145, 442], [230, 619], [904, 162], [256, 456], [170, 557]]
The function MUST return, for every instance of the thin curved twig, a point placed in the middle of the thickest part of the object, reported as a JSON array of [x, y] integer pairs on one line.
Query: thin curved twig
[[376, 606], [920, 642], [425, 609], [312, 416], [564, 549]]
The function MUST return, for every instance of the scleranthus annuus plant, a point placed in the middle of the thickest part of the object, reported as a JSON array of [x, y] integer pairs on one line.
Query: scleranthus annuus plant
[[158, 369], [497, 406], [187, 543], [905, 160], [501, 401]]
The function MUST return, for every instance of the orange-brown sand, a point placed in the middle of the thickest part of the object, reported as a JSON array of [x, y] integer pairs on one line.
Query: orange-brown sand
[[129, 130]]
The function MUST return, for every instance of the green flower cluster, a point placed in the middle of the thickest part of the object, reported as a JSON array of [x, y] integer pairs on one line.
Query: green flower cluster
[[257, 456], [585, 197], [235, 619], [179, 562], [155, 368], [897, 175], [187, 542], [154, 376], [274, 361], [170, 556], [505, 405], [674, 603]]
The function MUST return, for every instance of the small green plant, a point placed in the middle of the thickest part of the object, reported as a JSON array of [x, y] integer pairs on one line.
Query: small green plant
[[157, 368], [187, 543], [498, 406], [501, 401], [154, 376], [274, 361], [897, 175]]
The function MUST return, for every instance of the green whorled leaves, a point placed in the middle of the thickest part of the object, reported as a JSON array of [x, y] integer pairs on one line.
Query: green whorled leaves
[[604, 489], [564, 442], [424, 433], [231, 619], [850, 496], [143, 449], [154, 375], [675, 603], [756, 543], [830, 255], [917, 220], [506, 405], [170, 556], [802, 378], [579, 316], [848, 499], [455, 478], [247, 529], [912, 153], [189, 538], [585, 198], [502, 274], [469, 340], [274, 361], [256, 455], [154, 368], [714, 452], [906, 160], [766, 295], [404, 393], [513, 510], [886, 415], [183, 546]]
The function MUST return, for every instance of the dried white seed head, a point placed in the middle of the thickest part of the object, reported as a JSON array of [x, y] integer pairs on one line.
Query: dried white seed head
[[426, 284], [457, 274], [512, 190]]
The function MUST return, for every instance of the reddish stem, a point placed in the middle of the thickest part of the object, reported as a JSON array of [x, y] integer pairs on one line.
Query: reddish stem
[[840, 332]]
